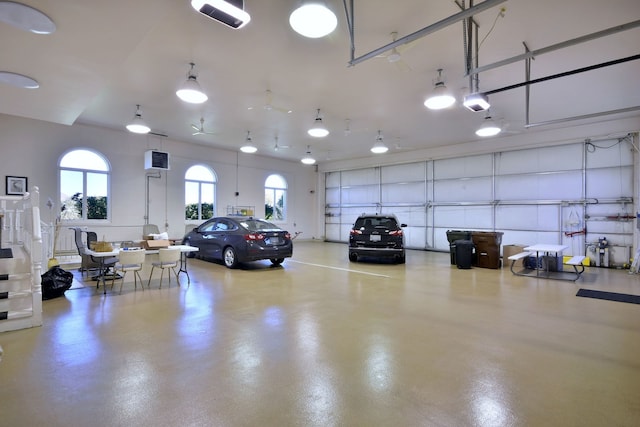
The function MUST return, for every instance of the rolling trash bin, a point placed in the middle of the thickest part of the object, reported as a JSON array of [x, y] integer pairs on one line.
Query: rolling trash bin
[[487, 248], [452, 237], [464, 253]]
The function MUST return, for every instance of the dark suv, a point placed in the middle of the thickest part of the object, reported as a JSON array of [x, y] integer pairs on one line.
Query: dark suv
[[375, 235]]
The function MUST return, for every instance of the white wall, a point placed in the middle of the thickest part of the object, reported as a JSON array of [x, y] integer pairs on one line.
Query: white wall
[[33, 148]]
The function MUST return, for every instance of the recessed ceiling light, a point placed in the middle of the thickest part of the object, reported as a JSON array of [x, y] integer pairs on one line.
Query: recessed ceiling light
[[25, 18], [18, 80]]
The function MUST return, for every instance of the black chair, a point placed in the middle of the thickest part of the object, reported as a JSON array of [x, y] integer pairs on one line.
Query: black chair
[[103, 265]]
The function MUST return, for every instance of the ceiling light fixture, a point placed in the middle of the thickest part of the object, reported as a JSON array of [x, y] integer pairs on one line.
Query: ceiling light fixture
[[489, 127], [137, 125], [313, 19], [476, 102], [318, 130], [229, 12], [441, 97], [26, 18], [307, 159], [190, 91], [248, 146], [379, 147], [18, 80]]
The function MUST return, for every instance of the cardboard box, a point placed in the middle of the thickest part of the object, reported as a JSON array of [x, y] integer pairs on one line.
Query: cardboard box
[[155, 244], [507, 251]]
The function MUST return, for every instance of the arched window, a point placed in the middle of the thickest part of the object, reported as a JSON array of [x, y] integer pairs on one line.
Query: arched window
[[84, 186], [199, 193], [275, 198]]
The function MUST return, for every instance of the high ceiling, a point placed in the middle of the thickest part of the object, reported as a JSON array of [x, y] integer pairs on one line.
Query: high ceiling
[[107, 56]]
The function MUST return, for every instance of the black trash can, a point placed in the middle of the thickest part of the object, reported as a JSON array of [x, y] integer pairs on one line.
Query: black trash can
[[452, 237], [464, 253]]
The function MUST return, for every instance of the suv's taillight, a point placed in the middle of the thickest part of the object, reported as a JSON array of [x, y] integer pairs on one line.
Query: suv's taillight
[[287, 236], [254, 236], [355, 231], [395, 233]]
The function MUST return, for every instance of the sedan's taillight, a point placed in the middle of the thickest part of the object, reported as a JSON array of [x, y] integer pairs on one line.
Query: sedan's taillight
[[254, 236], [287, 236], [355, 231], [395, 233]]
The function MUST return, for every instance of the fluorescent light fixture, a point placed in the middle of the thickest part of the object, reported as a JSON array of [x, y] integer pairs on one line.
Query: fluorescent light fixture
[[441, 97], [318, 130], [476, 102], [26, 18], [18, 80], [190, 90], [137, 125], [313, 19], [248, 146], [488, 128], [229, 12], [307, 159]]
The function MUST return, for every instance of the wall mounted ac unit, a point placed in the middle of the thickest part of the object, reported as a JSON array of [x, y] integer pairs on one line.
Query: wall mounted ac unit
[[156, 160]]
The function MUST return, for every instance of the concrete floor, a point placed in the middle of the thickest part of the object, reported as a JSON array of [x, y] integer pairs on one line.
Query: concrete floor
[[324, 342]]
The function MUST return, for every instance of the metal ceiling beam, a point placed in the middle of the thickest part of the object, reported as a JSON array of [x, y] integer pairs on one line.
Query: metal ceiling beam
[[583, 117], [487, 4], [578, 40]]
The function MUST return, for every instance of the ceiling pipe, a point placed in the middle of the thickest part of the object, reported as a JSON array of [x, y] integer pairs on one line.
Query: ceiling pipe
[[564, 74], [487, 4]]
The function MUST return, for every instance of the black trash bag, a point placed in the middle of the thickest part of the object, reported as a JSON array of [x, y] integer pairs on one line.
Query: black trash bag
[[55, 282]]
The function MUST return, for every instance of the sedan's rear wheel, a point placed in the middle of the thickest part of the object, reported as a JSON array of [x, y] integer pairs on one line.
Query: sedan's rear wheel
[[277, 261], [229, 257], [353, 257]]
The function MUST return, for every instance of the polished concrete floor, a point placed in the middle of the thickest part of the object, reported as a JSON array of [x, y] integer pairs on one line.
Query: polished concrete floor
[[324, 342]]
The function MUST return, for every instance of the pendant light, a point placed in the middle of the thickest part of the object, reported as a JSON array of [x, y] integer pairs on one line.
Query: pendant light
[[313, 19], [489, 127], [190, 90], [137, 125], [441, 97], [248, 146], [379, 147], [318, 130], [18, 80], [26, 18], [308, 159]]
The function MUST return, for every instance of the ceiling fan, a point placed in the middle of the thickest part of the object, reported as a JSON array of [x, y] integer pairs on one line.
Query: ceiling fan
[[269, 106], [277, 147], [199, 130], [394, 56]]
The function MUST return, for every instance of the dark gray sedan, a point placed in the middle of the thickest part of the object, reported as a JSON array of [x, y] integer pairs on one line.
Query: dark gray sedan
[[236, 239]]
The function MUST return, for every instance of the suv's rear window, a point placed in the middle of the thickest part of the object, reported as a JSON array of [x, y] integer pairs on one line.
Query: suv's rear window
[[376, 222]]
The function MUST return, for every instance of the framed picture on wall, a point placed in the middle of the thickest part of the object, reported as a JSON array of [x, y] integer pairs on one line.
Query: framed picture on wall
[[16, 185]]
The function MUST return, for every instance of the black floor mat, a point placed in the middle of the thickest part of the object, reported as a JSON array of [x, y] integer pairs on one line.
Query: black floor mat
[[6, 253], [609, 296]]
